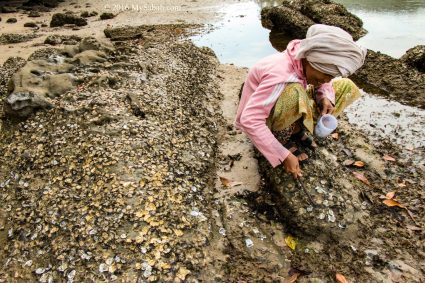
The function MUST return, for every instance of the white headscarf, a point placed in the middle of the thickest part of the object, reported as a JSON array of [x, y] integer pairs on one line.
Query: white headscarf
[[331, 50]]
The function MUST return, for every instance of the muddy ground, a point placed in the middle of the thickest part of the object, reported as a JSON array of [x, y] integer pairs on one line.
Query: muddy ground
[[119, 180]]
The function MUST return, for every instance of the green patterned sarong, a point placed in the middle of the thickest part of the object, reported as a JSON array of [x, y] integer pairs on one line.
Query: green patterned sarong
[[295, 103]]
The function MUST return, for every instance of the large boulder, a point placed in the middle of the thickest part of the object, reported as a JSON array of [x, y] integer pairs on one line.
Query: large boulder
[[60, 19], [327, 201], [294, 17], [415, 57], [392, 78], [48, 77]]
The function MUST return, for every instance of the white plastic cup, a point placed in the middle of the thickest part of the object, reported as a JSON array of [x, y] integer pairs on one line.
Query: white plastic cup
[[325, 126]]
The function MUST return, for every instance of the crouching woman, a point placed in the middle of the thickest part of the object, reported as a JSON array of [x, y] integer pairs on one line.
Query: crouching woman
[[285, 93]]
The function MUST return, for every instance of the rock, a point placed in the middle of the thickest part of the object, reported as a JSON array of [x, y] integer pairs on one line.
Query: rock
[[8, 38], [135, 32], [60, 19], [34, 14], [10, 66], [56, 39], [11, 20], [87, 14], [415, 57], [124, 33], [30, 25], [45, 3], [391, 78], [308, 217], [49, 75], [23, 104], [8, 9], [107, 16], [53, 55], [291, 21], [294, 17]]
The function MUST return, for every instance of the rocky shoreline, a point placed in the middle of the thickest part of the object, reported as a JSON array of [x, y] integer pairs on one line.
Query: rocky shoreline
[[111, 180]]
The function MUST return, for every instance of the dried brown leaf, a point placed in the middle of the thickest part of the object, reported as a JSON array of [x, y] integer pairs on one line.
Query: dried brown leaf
[[292, 279], [348, 162], [391, 202], [340, 278], [390, 195], [388, 158], [361, 177], [335, 136], [359, 164]]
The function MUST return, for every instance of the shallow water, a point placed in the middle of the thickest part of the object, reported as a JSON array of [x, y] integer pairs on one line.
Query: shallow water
[[239, 37], [393, 27]]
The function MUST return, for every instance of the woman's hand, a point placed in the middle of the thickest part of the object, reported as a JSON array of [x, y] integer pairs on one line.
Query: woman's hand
[[325, 106], [292, 166]]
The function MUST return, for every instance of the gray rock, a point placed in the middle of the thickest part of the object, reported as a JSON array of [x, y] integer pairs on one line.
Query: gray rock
[[40, 81], [8, 9], [87, 14], [11, 20], [415, 57], [34, 14], [107, 16], [294, 17], [392, 78], [60, 19], [56, 39], [30, 25], [135, 32], [8, 38], [10, 66], [41, 3], [293, 22], [309, 217]]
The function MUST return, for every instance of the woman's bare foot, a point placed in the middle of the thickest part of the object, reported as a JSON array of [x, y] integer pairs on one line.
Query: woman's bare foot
[[298, 133]]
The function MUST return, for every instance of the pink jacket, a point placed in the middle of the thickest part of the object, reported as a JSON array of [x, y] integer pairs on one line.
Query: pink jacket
[[265, 81]]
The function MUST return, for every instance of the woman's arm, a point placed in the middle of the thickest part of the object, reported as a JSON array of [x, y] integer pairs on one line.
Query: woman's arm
[[326, 90], [253, 121], [325, 98]]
